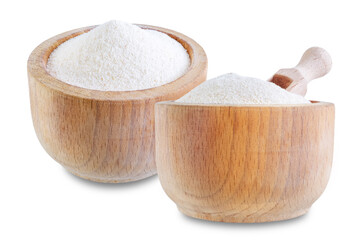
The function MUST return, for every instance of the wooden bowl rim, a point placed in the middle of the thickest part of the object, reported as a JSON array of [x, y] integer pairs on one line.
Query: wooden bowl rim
[[38, 60], [200, 105]]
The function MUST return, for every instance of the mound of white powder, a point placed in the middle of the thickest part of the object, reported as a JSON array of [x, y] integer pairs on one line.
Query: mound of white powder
[[234, 89], [118, 56]]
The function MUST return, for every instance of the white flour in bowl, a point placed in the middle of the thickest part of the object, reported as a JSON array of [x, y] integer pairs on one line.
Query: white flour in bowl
[[234, 89], [118, 56]]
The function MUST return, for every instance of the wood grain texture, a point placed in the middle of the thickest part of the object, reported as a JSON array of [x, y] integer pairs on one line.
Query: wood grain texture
[[103, 136], [315, 63], [244, 163]]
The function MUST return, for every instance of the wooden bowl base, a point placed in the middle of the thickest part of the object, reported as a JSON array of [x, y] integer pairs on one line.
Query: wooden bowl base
[[112, 180], [239, 218], [241, 163]]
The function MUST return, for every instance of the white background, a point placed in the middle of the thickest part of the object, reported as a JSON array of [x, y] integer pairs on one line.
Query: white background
[[40, 200]]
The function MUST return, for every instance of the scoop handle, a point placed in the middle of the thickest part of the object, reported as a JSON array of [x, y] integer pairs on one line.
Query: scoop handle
[[315, 62]]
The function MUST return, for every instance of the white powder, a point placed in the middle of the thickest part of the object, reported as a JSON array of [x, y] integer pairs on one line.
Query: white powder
[[118, 56], [234, 89]]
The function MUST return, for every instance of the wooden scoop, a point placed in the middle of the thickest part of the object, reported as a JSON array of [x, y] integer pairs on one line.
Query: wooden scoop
[[315, 63]]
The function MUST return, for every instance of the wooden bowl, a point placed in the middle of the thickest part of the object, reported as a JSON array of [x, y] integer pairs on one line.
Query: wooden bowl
[[103, 136], [244, 163]]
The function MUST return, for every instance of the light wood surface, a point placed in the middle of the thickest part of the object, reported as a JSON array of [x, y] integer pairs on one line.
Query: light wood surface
[[244, 163], [97, 135], [315, 63]]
